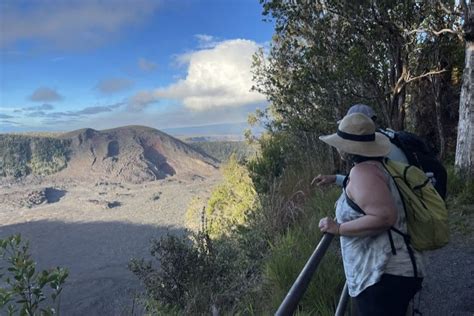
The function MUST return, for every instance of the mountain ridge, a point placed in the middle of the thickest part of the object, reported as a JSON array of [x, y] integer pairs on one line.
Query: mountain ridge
[[131, 153]]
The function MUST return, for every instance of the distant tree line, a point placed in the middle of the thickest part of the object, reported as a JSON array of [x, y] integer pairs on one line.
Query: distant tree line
[[223, 150], [23, 155]]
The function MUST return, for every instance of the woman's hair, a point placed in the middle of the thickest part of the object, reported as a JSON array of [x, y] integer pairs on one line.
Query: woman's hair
[[353, 158], [358, 158]]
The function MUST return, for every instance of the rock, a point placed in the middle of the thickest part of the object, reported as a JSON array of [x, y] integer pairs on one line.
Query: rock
[[36, 197]]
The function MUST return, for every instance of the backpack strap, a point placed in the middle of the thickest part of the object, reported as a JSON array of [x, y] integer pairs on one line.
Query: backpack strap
[[406, 237], [411, 253]]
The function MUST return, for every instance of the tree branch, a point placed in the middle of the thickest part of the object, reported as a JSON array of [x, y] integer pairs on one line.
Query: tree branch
[[429, 73], [436, 33]]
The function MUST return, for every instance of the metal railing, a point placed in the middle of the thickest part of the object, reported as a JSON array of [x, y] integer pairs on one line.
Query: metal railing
[[290, 303]]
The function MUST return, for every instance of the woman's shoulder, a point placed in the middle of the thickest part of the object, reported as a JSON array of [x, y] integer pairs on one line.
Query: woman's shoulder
[[367, 170]]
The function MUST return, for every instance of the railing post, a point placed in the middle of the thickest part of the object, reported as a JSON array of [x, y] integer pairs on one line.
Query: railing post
[[341, 307], [294, 295]]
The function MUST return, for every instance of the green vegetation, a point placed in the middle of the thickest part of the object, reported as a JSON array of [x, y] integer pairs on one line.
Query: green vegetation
[[230, 202], [223, 150], [248, 252], [228, 205], [327, 55], [291, 251], [196, 275], [24, 290], [460, 202], [22, 155]]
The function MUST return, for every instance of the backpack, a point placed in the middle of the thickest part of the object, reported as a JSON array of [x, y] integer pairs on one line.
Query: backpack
[[421, 156], [425, 209]]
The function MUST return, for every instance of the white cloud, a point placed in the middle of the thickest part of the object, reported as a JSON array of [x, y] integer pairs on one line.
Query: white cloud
[[146, 65], [217, 77], [75, 23]]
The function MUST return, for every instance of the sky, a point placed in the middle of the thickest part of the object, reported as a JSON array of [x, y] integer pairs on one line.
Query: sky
[[101, 64]]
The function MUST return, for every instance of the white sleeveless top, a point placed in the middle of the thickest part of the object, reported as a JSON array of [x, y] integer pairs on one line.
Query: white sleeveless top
[[366, 258]]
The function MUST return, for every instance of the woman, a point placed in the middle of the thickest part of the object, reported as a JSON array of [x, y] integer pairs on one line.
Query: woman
[[383, 273]]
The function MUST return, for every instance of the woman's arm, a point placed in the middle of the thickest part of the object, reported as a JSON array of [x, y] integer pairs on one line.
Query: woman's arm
[[369, 189]]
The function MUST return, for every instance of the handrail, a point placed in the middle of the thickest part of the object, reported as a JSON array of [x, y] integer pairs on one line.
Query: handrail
[[341, 307], [289, 304]]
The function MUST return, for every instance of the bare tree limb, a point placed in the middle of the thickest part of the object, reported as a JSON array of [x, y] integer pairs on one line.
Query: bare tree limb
[[436, 33], [429, 73]]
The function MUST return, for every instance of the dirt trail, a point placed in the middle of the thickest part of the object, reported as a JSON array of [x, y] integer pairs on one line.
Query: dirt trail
[[448, 288], [94, 230]]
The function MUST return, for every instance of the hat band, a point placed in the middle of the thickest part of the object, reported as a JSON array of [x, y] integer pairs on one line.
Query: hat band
[[357, 138]]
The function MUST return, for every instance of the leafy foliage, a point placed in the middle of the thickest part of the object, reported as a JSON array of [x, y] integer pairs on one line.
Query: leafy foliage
[[329, 54], [24, 290], [231, 201], [282, 150], [195, 276], [228, 205], [271, 161]]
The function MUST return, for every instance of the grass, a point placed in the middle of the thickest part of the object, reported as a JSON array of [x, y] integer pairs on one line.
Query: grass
[[460, 202], [289, 254]]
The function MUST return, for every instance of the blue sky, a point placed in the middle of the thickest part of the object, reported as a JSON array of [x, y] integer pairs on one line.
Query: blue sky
[[166, 64]]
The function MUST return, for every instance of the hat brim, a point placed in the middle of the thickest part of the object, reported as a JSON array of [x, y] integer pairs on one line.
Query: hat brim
[[378, 148]]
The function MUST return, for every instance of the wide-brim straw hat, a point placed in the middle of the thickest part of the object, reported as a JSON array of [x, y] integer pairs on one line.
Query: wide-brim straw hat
[[356, 135]]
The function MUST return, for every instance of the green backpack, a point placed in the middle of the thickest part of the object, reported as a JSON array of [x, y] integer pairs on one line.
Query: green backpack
[[427, 216]]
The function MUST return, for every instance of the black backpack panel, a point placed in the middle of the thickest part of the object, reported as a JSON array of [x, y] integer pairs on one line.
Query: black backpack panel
[[420, 155]]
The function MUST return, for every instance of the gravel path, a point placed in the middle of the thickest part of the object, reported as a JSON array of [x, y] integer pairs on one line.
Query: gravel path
[[448, 288]]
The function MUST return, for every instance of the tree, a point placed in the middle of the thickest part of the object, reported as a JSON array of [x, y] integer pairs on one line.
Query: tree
[[329, 54], [230, 202], [465, 141]]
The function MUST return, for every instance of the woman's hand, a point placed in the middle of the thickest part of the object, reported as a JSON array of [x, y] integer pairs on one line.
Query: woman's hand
[[324, 179], [328, 225]]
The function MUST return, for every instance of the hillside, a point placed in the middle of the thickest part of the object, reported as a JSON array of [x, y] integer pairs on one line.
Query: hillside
[[222, 150], [132, 154]]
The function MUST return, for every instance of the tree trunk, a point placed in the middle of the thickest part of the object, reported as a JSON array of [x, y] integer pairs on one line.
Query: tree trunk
[[436, 88], [465, 142]]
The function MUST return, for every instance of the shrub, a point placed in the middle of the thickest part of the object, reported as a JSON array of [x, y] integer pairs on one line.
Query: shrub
[[270, 162], [194, 275], [229, 204], [24, 290], [283, 150]]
